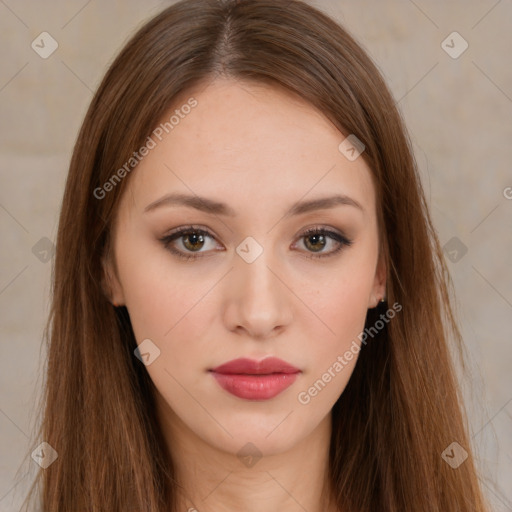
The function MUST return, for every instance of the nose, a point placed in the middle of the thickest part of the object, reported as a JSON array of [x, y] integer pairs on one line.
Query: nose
[[258, 298]]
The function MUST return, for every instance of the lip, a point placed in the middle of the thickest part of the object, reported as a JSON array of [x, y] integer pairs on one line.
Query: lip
[[255, 380], [252, 367]]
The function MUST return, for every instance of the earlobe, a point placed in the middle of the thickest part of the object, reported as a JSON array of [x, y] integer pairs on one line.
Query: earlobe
[[110, 283], [378, 293]]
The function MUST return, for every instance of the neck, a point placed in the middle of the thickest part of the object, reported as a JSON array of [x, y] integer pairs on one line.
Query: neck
[[212, 479]]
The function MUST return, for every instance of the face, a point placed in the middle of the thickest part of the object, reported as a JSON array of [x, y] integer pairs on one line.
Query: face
[[245, 279]]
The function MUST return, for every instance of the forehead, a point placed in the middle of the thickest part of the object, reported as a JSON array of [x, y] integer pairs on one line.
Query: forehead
[[248, 145]]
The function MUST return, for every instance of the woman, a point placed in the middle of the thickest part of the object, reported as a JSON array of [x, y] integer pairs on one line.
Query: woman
[[250, 306]]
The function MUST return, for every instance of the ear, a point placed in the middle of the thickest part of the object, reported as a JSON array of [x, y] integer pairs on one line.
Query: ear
[[110, 282], [378, 291]]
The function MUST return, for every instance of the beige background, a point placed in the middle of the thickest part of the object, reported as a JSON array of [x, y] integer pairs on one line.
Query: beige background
[[458, 111]]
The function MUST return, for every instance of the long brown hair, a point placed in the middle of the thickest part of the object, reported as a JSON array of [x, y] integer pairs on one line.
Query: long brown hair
[[401, 408]]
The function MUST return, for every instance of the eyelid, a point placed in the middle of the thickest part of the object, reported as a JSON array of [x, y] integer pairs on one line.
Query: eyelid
[[342, 240], [331, 233], [177, 233]]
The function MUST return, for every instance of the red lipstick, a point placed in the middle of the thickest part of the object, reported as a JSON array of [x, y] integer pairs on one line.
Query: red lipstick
[[255, 380]]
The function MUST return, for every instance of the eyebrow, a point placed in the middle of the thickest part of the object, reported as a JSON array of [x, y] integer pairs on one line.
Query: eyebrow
[[214, 207]]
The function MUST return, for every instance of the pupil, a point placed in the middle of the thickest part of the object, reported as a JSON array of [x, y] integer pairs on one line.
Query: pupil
[[316, 239], [194, 241]]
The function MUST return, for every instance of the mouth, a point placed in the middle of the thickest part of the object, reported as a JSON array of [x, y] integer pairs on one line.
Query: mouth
[[255, 380]]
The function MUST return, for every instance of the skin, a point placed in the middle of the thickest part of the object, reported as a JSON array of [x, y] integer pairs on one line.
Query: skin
[[258, 149]]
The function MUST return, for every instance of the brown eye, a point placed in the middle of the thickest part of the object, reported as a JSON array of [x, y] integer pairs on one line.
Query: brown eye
[[315, 242], [192, 239], [316, 239]]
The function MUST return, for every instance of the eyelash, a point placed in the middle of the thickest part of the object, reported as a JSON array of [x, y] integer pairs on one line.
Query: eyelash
[[168, 239]]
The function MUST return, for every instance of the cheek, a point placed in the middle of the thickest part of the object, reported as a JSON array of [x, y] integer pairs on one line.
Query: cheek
[[163, 301], [340, 308], [342, 302], [171, 311], [333, 355]]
